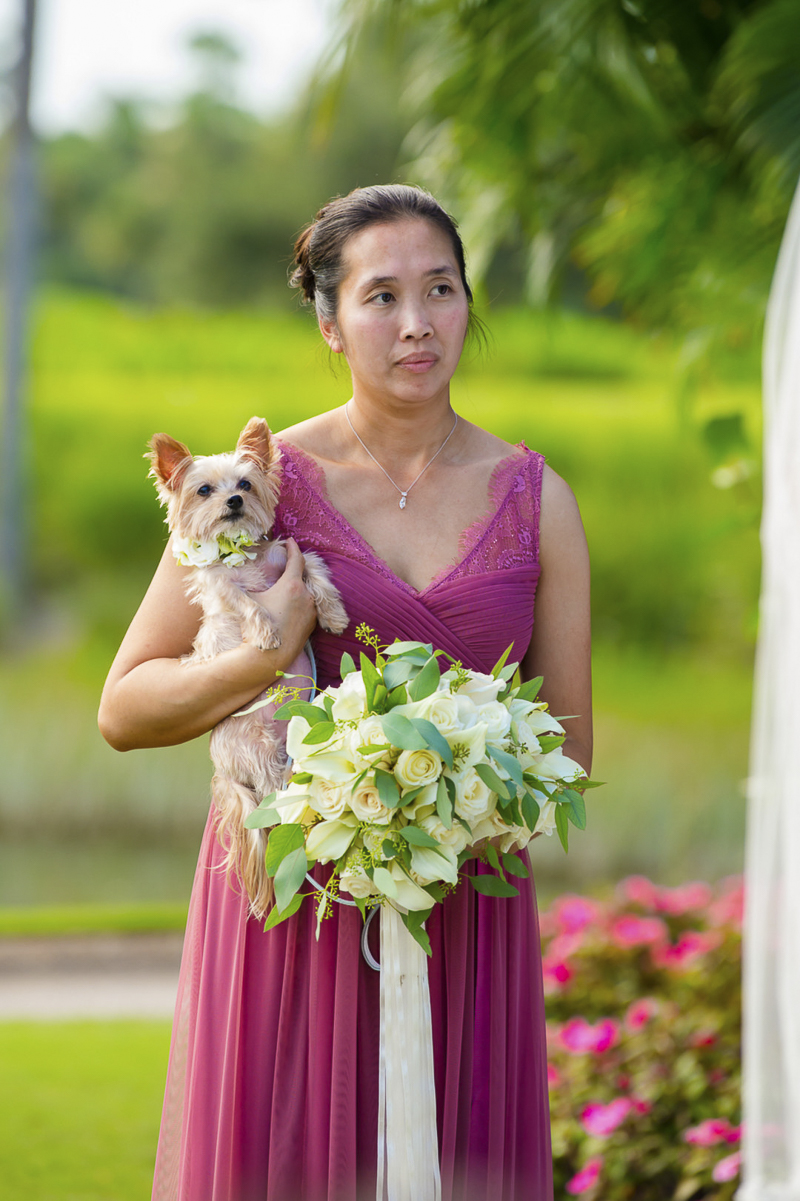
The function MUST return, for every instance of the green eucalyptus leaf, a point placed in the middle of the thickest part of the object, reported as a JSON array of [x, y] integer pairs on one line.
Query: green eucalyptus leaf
[[276, 916], [562, 826], [530, 811], [416, 931], [493, 858], [418, 838], [261, 819], [576, 809], [311, 713], [398, 696], [426, 682], [397, 672], [508, 762], [444, 806], [433, 739], [388, 789], [549, 742], [282, 841], [493, 886], [323, 731], [388, 849], [516, 866], [405, 648], [492, 780], [402, 733], [347, 665], [530, 689], [290, 876], [372, 679]]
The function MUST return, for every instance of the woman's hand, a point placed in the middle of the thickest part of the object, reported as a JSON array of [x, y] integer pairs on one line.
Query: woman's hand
[[152, 699]]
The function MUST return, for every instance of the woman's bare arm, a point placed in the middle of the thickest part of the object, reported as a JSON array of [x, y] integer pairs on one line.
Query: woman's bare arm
[[560, 648], [152, 699]]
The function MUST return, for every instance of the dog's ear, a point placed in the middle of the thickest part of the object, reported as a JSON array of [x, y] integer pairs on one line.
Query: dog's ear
[[255, 442], [169, 460]]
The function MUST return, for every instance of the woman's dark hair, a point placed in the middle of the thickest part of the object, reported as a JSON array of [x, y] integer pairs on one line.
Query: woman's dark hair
[[319, 250]]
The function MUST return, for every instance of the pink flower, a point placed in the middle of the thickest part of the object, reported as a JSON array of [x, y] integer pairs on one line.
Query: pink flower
[[602, 1120], [710, 1132], [553, 1076], [575, 913], [728, 909], [639, 891], [564, 945], [680, 900], [556, 974], [640, 1105], [632, 931], [640, 1012], [703, 1038], [727, 1168], [587, 1177], [578, 1036], [691, 946]]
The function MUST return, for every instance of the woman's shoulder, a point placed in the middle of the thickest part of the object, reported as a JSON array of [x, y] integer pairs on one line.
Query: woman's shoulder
[[560, 519]]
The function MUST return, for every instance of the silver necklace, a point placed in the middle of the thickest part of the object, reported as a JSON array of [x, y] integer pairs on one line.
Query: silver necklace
[[403, 495]]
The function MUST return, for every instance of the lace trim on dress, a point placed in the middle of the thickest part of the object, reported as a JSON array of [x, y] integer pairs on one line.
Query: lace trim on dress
[[506, 535]]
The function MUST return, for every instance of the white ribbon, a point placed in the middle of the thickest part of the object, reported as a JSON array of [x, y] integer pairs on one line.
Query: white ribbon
[[408, 1145]]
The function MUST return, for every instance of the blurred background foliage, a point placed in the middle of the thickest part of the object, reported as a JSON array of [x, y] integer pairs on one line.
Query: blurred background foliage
[[621, 170]]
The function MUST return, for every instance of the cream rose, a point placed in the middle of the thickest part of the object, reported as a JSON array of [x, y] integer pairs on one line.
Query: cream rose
[[497, 719], [416, 768], [367, 805], [474, 799], [356, 881], [481, 688], [329, 799], [455, 839]]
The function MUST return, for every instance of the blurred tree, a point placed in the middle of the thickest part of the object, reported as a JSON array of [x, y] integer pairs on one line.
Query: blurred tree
[[205, 209], [653, 143]]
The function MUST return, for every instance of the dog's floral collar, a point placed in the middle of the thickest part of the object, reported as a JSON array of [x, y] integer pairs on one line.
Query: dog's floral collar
[[229, 548]]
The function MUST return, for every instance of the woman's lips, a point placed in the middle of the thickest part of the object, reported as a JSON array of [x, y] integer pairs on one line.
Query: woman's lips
[[418, 363]]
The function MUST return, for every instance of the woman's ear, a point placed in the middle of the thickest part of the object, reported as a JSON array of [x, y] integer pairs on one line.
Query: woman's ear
[[330, 333]]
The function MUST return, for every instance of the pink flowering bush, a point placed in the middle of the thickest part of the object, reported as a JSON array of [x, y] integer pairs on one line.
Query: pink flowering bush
[[643, 1000]]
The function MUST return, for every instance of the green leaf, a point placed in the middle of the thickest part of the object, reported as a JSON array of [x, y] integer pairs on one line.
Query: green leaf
[[388, 789], [413, 922], [591, 784], [494, 859], [371, 748], [379, 698], [261, 819], [530, 811], [398, 672], [404, 648], [411, 795], [282, 841], [508, 762], [388, 849], [311, 713], [562, 826], [418, 838], [302, 777], [401, 733], [289, 877], [361, 905], [275, 916], [323, 731], [501, 662], [508, 673], [435, 890], [398, 696], [493, 781], [530, 689], [426, 682], [549, 742], [371, 677], [516, 866], [347, 665], [493, 886], [384, 880], [433, 739], [327, 701], [444, 806], [576, 809]]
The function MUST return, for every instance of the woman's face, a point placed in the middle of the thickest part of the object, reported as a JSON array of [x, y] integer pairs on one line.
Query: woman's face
[[403, 312]]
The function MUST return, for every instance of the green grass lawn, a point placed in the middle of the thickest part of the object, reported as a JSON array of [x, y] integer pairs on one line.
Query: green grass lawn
[[79, 1109], [674, 559]]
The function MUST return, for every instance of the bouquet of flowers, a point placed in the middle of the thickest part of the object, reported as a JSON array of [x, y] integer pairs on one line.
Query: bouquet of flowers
[[403, 771]]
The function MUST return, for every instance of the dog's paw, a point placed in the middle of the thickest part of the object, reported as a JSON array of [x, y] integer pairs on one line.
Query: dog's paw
[[332, 614], [261, 633]]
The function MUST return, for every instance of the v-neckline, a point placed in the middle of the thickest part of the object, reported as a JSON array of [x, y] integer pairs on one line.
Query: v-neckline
[[468, 540]]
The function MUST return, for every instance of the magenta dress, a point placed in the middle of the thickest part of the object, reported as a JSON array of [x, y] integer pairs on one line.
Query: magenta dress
[[272, 1089]]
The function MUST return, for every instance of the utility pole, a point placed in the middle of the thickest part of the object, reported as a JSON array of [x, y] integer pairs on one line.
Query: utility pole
[[15, 497]]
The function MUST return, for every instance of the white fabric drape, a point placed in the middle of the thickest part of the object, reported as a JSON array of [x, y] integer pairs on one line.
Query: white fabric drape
[[771, 1143]]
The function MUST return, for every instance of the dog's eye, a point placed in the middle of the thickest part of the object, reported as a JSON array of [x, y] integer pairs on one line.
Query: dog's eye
[[244, 485], [204, 490]]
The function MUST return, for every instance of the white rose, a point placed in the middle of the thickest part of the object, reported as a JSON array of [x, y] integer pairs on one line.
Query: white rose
[[497, 719], [192, 553], [415, 768], [328, 798], [474, 799], [455, 839], [356, 881], [481, 688], [329, 840], [547, 819], [367, 805], [369, 732], [350, 701], [516, 839], [468, 711], [490, 826], [468, 746], [441, 709], [429, 865]]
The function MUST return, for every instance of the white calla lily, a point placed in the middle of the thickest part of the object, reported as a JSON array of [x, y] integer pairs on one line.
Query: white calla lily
[[409, 894], [432, 865], [329, 840]]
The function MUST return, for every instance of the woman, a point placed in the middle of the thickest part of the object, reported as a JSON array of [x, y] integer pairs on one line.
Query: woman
[[431, 529]]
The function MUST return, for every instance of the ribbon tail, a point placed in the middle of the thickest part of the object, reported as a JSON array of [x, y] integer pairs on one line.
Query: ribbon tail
[[408, 1145]]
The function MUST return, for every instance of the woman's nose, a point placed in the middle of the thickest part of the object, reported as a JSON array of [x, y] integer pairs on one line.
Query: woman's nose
[[415, 323]]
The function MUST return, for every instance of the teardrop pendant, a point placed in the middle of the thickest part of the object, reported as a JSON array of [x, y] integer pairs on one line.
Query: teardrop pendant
[[403, 496]]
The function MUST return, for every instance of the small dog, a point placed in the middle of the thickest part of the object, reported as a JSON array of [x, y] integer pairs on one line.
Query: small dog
[[220, 510]]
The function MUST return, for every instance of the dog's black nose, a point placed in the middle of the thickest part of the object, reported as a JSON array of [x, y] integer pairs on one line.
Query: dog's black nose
[[235, 503]]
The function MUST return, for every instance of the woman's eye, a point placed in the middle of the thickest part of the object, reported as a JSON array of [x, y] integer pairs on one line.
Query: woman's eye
[[442, 289], [384, 298], [244, 485], [204, 490]]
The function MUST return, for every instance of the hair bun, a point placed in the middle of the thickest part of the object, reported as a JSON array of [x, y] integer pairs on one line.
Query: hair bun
[[302, 276]]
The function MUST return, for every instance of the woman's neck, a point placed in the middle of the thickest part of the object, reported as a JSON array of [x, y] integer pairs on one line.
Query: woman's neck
[[399, 435]]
